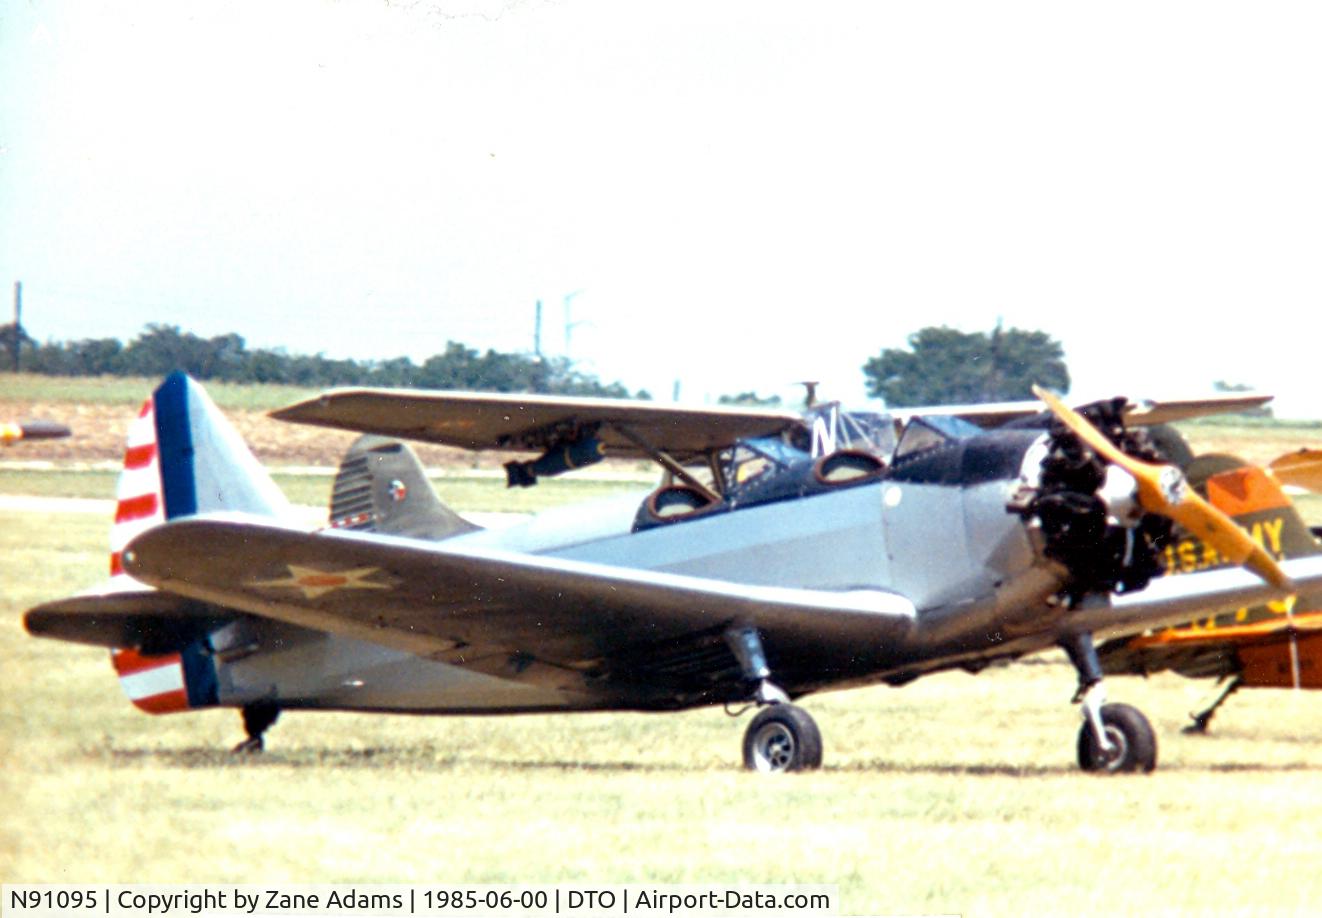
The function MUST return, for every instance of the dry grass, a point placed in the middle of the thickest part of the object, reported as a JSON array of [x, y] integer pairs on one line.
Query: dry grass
[[954, 794], [1259, 442], [468, 491]]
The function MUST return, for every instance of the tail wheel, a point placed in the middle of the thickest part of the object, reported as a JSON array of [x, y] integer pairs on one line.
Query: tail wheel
[[782, 737], [1133, 743]]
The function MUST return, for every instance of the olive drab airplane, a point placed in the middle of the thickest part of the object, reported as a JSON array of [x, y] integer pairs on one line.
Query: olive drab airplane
[[1277, 644], [783, 554]]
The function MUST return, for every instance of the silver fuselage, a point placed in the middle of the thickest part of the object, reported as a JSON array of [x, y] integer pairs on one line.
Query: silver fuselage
[[968, 565]]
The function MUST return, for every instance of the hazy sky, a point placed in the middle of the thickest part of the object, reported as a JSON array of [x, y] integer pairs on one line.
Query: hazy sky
[[738, 195]]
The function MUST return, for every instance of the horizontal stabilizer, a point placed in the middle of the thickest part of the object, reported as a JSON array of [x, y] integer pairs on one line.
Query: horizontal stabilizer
[[149, 621]]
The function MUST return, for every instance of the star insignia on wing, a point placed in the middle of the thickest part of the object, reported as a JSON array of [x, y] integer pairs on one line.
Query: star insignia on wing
[[314, 583]]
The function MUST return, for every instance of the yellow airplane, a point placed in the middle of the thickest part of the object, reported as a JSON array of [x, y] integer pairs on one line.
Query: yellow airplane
[[1271, 645]]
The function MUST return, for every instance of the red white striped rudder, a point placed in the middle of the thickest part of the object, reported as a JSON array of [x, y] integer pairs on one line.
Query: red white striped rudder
[[182, 458]]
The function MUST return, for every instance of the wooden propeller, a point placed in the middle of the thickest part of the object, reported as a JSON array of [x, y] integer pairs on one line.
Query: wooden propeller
[[1162, 489]]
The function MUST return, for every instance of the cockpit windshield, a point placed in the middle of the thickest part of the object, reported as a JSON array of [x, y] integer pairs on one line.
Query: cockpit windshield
[[928, 432], [828, 428], [753, 459], [833, 428]]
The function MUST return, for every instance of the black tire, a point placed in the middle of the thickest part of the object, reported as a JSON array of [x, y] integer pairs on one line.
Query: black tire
[[1130, 732], [782, 737]]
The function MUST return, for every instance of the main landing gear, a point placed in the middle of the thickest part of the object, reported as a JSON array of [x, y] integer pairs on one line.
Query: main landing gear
[[257, 718], [783, 736], [1114, 737], [1204, 717]]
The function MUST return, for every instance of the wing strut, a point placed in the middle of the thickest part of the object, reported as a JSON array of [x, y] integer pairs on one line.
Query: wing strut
[[666, 461]]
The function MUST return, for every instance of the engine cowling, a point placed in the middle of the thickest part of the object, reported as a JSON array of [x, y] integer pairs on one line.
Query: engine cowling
[[1087, 511]]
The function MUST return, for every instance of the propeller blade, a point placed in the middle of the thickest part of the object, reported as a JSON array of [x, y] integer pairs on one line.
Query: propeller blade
[[1302, 469], [1162, 489]]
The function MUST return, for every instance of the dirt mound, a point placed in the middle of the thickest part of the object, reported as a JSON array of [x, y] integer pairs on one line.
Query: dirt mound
[[98, 436]]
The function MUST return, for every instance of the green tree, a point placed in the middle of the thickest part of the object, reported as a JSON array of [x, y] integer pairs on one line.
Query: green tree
[[944, 366], [15, 344], [97, 356], [750, 400], [161, 349]]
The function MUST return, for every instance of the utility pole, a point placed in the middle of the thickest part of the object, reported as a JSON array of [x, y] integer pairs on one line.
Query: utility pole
[[17, 344], [570, 326], [537, 332]]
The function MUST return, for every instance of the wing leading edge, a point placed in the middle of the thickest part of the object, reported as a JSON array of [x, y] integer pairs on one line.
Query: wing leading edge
[[493, 421], [1148, 412], [500, 612], [491, 609], [1174, 600]]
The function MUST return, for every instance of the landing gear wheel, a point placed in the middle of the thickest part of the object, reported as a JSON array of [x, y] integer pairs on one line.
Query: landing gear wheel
[[1133, 744], [257, 718], [782, 737]]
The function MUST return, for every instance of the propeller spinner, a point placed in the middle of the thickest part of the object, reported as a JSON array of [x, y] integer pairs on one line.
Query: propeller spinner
[[1162, 489]]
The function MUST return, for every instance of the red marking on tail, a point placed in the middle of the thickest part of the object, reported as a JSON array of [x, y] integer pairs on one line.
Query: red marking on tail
[[168, 703], [139, 457], [128, 662], [136, 508], [154, 684]]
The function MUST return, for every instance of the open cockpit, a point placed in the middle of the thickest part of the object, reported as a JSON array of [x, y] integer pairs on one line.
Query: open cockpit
[[834, 448]]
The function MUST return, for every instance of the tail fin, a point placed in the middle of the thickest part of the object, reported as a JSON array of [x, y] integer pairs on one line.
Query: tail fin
[[381, 487], [205, 465], [183, 458]]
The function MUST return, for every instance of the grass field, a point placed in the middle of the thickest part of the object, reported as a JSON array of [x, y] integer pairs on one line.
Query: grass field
[[130, 391], [954, 794], [473, 492]]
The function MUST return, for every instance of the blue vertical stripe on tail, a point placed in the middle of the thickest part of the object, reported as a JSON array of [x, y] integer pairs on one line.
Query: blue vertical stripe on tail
[[174, 441]]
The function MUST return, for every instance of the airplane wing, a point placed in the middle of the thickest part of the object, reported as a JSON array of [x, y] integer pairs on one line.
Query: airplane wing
[[487, 421], [1302, 469], [1176, 600], [491, 421], [490, 609], [1202, 651], [32, 430], [1143, 413]]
